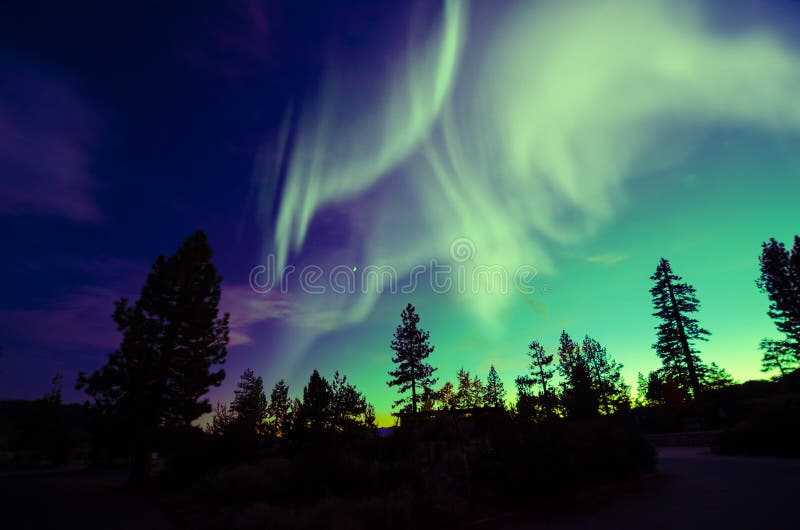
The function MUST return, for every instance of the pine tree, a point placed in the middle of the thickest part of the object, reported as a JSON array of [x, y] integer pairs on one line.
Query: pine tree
[[605, 372], [655, 384], [641, 390], [780, 279], [411, 348], [446, 396], [221, 420], [428, 400], [495, 394], [579, 396], [295, 417], [541, 404], [464, 381], [778, 355], [250, 403], [348, 405], [715, 377], [370, 419], [476, 393], [470, 391], [279, 409], [648, 389], [673, 300], [172, 337], [316, 408]]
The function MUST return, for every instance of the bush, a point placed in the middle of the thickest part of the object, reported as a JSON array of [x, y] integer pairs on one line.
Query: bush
[[439, 473], [773, 429]]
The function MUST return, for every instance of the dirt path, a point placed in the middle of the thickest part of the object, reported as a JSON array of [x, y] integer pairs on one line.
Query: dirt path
[[696, 490]]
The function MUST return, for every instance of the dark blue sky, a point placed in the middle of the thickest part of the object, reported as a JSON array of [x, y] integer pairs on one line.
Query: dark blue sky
[[125, 127]]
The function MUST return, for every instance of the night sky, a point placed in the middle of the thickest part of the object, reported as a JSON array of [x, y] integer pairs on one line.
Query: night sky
[[577, 142]]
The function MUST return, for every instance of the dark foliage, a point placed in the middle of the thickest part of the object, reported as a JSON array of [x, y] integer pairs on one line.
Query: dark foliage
[[773, 429], [780, 355], [40, 433], [578, 396], [780, 279], [611, 391], [438, 473], [469, 392], [172, 337], [316, 407], [279, 411], [536, 397], [249, 405], [762, 417]]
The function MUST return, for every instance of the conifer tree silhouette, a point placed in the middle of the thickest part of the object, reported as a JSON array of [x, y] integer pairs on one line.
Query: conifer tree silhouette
[[411, 348], [579, 395], [780, 280], [171, 338], [250, 403], [279, 409], [540, 372], [495, 394], [673, 301]]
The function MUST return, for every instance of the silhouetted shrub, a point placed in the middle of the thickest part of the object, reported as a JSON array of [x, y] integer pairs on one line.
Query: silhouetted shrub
[[441, 472], [773, 429]]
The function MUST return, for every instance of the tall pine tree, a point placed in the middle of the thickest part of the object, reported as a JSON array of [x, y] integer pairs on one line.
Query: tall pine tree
[[446, 396], [464, 390], [605, 372], [317, 406], [578, 394], [348, 405], [495, 393], [673, 301], [530, 402], [250, 403], [780, 279], [171, 339], [279, 410], [411, 349]]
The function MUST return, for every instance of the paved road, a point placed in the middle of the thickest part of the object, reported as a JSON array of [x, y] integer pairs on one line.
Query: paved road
[[696, 490]]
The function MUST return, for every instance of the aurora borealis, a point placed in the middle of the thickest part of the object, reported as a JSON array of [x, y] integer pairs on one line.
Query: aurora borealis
[[584, 139]]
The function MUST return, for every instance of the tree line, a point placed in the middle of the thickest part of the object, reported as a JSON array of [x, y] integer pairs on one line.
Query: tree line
[[334, 405], [175, 342]]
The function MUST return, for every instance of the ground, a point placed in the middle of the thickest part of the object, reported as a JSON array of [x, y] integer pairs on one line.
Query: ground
[[85, 499], [692, 490]]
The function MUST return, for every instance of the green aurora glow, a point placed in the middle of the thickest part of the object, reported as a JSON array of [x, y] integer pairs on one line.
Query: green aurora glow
[[586, 138]]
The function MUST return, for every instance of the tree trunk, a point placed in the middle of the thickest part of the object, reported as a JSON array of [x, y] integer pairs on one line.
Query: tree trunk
[[695, 383], [413, 396]]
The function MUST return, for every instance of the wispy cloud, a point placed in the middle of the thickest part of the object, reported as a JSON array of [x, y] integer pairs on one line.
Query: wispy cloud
[[81, 319], [46, 131], [607, 258], [248, 308]]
